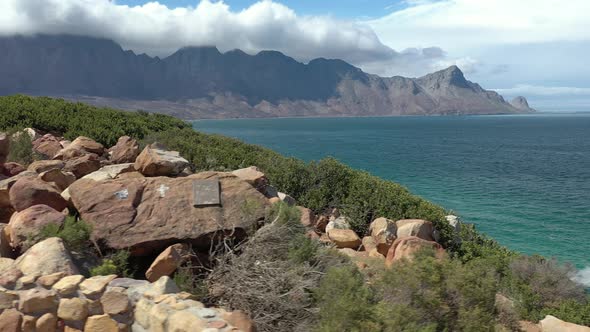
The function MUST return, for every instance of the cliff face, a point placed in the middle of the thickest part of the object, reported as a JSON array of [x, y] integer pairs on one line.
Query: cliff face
[[201, 82]]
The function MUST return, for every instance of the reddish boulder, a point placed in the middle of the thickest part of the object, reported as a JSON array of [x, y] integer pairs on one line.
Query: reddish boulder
[[11, 169], [47, 146], [28, 223], [11, 321], [407, 247], [307, 216], [253, 176], [79, 147], [60, 179], [28, 192], [167, 262], [153, 161], [384, 233], [344, 238], [415, 227], [82, 166], [5, 186], [41, 166], [125, 151], [148, 214]]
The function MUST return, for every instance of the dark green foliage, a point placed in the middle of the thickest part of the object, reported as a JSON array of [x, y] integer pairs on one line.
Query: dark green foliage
[[21, 149], [75, 233], [577, 312], [115, 263]]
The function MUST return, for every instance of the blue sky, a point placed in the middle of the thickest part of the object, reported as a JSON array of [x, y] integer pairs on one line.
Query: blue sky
[[538, 48]]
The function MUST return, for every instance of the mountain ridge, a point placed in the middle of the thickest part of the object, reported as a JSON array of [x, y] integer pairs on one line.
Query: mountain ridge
[[202, 82]]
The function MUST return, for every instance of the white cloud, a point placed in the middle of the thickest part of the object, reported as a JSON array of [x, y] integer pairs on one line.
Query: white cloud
[[544, 91], [467, 24], [158, 30]]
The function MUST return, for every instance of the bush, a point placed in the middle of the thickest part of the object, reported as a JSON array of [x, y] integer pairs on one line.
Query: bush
[[21, 149], [116, 263], [75, 233]]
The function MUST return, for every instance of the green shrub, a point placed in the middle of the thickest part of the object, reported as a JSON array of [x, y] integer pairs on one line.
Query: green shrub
[[21, 149], [75, 233], [577, 312], [115, 263]]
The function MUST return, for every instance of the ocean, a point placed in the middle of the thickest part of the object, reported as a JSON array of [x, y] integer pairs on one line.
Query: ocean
[[523, 180]]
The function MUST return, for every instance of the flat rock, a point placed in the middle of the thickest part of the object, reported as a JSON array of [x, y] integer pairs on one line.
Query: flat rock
[[27, 224], [344, 238], [149, 214], [153, 161], [68, 284], [115, 302], [96, 285], [27, 192], [253, 176], [167, 262], [50, 279], [37, 300], [45, 257], [74, 309]]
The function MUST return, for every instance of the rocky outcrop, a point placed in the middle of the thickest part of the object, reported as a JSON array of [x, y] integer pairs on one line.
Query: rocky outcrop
[[154, 161], [24, 226], [554, 324], [27, 192], [148, 214], [522, 104], [125, 151]]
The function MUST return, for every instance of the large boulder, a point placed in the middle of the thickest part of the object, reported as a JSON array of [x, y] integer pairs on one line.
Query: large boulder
[[41, 166], [125, 151], [415, 227], [407, 247], [5, 248], [384, 232], [4, 147], [148, 214], [344, 238], [83, 165], [27, 192], [79, 147], [6, 208], [167, 262], [110, 172], [153, 161], [48, 145], [12, 169], [59, 178], [46, 257], [554, 324], [253, 176], [27, 224]]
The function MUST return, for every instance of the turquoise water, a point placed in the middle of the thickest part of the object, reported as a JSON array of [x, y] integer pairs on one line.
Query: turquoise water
[[524, 180]]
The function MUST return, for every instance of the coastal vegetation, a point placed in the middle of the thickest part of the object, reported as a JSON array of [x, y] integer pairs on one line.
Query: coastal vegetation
[[288, 281]]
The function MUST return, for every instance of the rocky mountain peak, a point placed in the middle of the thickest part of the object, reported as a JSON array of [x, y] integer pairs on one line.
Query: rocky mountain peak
[[521, 103], [451, 76]]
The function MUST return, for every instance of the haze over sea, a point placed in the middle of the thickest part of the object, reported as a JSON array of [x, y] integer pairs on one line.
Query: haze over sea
[[523, 180]]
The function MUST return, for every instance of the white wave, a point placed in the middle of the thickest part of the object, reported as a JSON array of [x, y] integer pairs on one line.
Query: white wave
[[583, 277]]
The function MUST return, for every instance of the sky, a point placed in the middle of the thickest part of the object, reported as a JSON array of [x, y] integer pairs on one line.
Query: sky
[[536, 48]]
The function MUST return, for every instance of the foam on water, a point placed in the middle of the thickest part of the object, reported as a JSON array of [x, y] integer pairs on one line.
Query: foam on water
[[583, 277]]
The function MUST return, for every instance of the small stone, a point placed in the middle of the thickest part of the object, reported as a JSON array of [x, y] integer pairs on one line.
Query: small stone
[[37, 300], [28, 324], [94, 307], [9, 276], [49, 280], [46, 323], [26, 282], [101, 323], [11, 321], [167, 262], [74, 309], [114, 302], [344, 238], [96, 285], [217, 324], [7, 298], [68, 285], [239, 320]]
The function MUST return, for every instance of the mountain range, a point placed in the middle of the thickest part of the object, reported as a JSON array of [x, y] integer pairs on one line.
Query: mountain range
[[201, 82]]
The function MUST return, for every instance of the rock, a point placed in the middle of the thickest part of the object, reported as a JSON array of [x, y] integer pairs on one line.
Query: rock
[[26, 225], [11, 321], [415, 227], [321, 223], [125, 151], [46, 323], [185, 321], [28, 192], [344, 238], [68, 285], [10, 276], [41, 166], [45, 257], [307, 216], [47, 145], [50, 279], [101, 323], [368, 243], [4, 147], [159, 317], [26, 282], [96, 285], [37, 300], [5, 248], [130, 175], [274, 200], [164, 285], [406, 247], [253, 176], [79, 147], [83, 165], [28, 324], [167, 262], [337, 223], [7, 299], [74, 309], [115, 302], [554, 324], [142, 312], [109, 172], [60, 179], [151, 213], [240, 320], [287, 199], [11, 169], [374, 253], [157, 162], [384, 232], [454, 222], [7, 184]]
